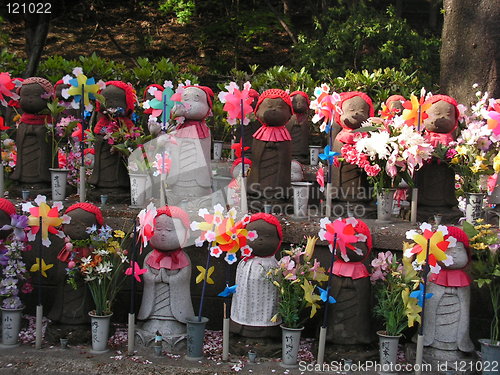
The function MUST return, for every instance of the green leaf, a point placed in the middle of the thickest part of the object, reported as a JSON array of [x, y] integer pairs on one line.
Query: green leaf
[[469, 229], [365, 129]]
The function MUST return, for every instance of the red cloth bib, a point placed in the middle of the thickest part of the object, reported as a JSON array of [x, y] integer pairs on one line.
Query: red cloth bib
[[170, 260], [346, 136], [31, 119], [354, 270], [438, 138], [105, 121], [272, 134], [453, 278], [192, 129]]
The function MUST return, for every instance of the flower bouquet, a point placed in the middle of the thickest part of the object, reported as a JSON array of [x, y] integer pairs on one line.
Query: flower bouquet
[[103, 266], [296, 278], [485, 242]]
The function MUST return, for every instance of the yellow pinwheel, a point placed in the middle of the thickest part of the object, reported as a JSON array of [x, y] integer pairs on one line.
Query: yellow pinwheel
[[412, 309], [437, 246], [41, 267], [82, 84], [413, 108], [310, 297], [205, 275], [50, 220]]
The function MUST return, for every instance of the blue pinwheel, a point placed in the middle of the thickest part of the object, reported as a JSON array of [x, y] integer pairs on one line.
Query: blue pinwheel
[[419, 295], [229, 290], [328, 155], [324, 295], [162, 104]]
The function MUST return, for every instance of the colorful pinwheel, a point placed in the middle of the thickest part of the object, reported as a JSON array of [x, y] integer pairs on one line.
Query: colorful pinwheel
[[146, 224], [437, 247], [6, 88], [325, 106], [50, 219], [41, 267], [162, 164], [238, 150], [419, 295], [162, 103], [81, 85], [346, 235], [137, 271], [328, 155], [414, 110], [233, 101]]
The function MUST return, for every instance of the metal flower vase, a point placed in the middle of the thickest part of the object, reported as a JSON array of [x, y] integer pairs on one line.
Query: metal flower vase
[[11, 325], [138, 183], [58, 180], [99, 327], [195, 337], [290, 346], [388, 349], [385, 200]]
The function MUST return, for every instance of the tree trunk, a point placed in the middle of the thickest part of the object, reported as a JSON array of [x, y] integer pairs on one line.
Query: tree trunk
[[470, 50], [36, 29]]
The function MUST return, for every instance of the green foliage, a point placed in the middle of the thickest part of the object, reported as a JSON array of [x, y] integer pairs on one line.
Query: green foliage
[[183, 9], [9, 62], [358, 36]]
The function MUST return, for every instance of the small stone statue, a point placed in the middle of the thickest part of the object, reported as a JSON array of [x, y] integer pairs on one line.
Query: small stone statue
[[348, 181], [166, 300], [446, 329], [271, 147], [7, 209], [109, 167], [436, 181], [349, 318], [256, 299], [298, 126], [190, 176], [297, 171], [393, 106], [34, 152], [71, 306]]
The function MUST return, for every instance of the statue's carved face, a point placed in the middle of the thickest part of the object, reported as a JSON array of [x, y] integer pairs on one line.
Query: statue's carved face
[[459, 255], [115, 97], [274, 112], [299, 104], [267, 241], [195, 106], [441, 118], [31, 98], [396, 104], [80, 221], [355, 112], [169, 233]]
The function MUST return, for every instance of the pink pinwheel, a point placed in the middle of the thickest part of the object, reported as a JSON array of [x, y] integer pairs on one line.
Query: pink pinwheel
[[233, 99], [346, 235], [162, 164], [146, 224], [6, 87], [137, 271]]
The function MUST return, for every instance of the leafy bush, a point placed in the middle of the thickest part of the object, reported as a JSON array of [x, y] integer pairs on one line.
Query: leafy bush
[[183, 9], [360, 37]]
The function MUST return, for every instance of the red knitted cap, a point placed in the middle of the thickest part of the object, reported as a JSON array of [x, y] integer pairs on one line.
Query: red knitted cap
[[349, 95], [159, 87], [253, 93], [47, 86], [208, 92], [448, 99], [460, 236], [89, 207], [301, 93], [130, 96], [7, 206], [394, 98], [362, 228], [60, 82], [238, 162], [274, 94], [271, 219], [176, 213]]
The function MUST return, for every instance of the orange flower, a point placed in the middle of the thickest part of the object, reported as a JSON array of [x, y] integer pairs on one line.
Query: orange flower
[[412, 109]]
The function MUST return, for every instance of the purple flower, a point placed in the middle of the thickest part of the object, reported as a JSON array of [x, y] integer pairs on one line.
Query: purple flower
[[17, 224], [483, 143]]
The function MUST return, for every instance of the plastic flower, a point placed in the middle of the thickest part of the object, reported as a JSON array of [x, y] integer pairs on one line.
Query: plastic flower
[[137, 271], [437, 246], [237, 103], [50, 219], [42, 268], [17, 224], [146, 224], [344, 233], [311, 298], [414, 110], [6, 88]]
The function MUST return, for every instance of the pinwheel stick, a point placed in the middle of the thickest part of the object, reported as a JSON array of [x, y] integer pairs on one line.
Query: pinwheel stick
[[225, 321], [82, 146], [420, 339], [2, 184], [203, 289], [242, 141], [39, 307], [131, 315], [329, 179], [324, 326]]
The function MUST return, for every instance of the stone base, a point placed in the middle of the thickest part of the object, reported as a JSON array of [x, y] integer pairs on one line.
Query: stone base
[[118, 196], [255, 332], [448, 214], [15, 190], [444, 360], [171, 343]]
